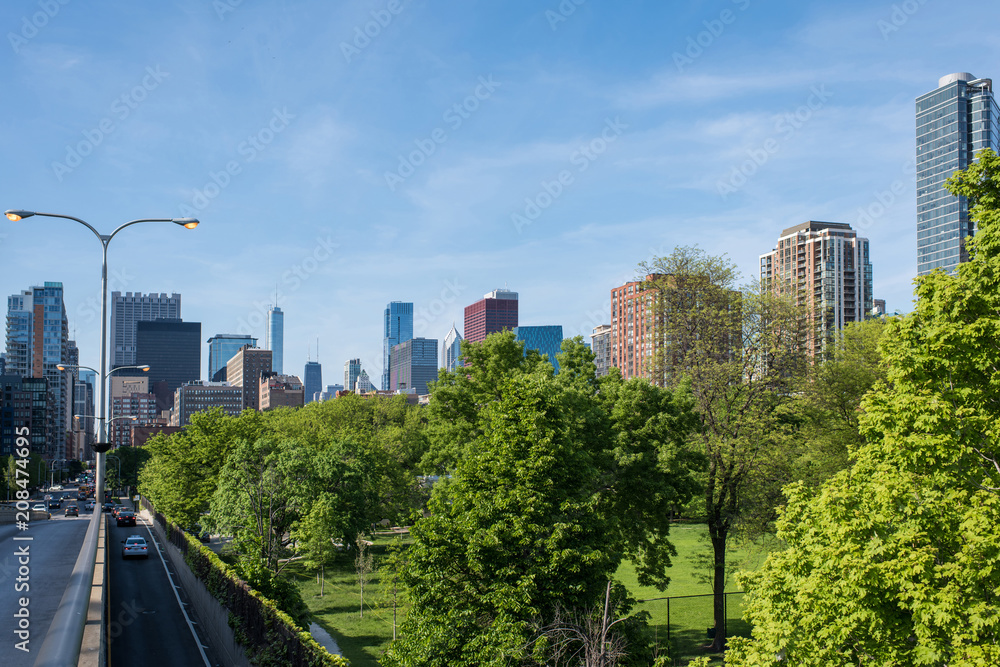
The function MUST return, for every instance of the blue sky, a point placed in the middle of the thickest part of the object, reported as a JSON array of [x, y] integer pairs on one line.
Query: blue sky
[[348, 154]]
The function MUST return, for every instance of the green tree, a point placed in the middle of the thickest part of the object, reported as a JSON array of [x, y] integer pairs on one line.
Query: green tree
[[738, 351], [897, 559]]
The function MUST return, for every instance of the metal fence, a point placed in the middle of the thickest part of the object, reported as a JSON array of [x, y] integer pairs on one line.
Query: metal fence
[[684, 624]]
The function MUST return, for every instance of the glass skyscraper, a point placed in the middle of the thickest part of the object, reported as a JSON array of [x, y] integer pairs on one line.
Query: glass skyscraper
[[547, 340], [312, 380], [222, 348], [954, 122], [398, 329], [275, 339], [451, 351]]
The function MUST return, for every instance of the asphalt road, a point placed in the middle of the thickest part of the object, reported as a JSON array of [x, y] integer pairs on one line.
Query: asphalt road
[[146, 623], [52, 552]]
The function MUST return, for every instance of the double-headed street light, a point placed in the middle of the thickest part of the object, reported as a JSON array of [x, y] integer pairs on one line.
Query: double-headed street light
[[62, 643]]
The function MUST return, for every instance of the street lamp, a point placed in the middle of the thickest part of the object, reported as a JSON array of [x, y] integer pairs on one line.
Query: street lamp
[[189, 223]]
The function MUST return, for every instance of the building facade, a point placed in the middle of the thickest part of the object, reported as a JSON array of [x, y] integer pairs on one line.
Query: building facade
[[245, 370], [398, 328], [141, 406], [363, 384], [414, 364], [23, 404], [274, 339], [313, 380], [547, 340], [37, 343], [127, 310], [600, 343], [222, 348], [826, 267], [194, 397], [631, 328], [954, 122], [496, 311], [277, 390], [451, 349], [352, 369], [172, 350]]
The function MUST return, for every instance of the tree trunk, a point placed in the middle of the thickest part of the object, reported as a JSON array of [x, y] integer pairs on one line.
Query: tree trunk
[[719, 588]]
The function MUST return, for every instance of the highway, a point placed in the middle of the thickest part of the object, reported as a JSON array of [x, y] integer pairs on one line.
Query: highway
[[51, 553], [146, 623]]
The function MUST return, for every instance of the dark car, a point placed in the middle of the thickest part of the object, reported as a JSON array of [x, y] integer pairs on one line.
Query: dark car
[[54, 503], [72, 510], [126, 518], [108, 507]]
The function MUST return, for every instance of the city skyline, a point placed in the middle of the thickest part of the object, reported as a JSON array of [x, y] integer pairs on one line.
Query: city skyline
[[476, 147]]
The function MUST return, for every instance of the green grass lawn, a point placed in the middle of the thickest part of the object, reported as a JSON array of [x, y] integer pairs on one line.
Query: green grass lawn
[[362, 640]]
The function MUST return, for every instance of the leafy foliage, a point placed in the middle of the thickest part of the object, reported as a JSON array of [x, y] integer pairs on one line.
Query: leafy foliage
[[897, 560]]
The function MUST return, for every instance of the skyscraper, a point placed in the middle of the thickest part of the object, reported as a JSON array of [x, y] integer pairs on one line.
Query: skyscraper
[[313, 380], [245, 370], [352, 369], [600, 343], [398, 328], [37, 342], [632, 328], [496, 311], [954, 122], [275, 337], [221, 348], [451, 350], [825, 266], [546, 340], [414, 364], [130, 308], [172, 349]]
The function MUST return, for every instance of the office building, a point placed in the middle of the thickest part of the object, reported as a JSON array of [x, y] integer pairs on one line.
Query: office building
[[127, 310], [83, 426], [37, 343], [277, 390], [352, 369], [24, 403], [632, 328], [826, 267], [363, 385], [600, 344], [451, 349], [954, 122], [172, 350], [546, 340], [398, 328], [274, 338], [245, 370], [193, 397], [496, 311], [222, 348], [313, 380], [414, 364], [141, 406]]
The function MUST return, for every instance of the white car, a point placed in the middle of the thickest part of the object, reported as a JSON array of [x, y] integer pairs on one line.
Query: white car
[[134, 546], [39, 507]]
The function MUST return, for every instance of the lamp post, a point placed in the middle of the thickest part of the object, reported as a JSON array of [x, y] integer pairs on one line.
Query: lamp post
[[64, 639]]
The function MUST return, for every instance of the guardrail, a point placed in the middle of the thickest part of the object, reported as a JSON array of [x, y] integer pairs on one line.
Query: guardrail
[[61, 647]]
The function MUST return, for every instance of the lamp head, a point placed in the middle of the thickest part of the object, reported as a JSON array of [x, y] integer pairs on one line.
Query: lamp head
[[187, 223], [14, 215]]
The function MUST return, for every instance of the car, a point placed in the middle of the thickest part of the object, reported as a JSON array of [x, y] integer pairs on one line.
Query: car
[[134, 546], [55, 503], [107, 507], [126, 518], [39, 507], [72, 510], [89, 506], [116, 510]]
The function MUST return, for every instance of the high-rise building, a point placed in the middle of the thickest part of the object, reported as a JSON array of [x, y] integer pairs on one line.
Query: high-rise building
[[23, 403], [274, 339], [398, 328], [451, 349], [826, 267], [313, 381], [600, 343], [172, 349], [352, 369], [141, 406], [363, 384], [414, 364], [245, 370], [631, 328], [129, 309], [83, 426], [546, 340], [954, 122], [496, 311], [221, 348], [37, 343], [194, 397]]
